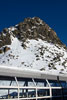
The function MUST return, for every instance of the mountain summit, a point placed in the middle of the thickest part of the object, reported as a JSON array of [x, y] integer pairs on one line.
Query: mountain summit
[[33, 44], [31, 28]]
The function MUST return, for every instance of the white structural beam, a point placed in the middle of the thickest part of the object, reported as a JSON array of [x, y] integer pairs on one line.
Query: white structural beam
[[22, 73]]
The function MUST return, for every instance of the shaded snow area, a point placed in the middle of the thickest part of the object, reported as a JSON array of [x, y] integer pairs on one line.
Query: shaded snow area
[[35, 54]]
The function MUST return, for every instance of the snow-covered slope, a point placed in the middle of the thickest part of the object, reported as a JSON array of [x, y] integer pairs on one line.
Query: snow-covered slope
[[34, 52]]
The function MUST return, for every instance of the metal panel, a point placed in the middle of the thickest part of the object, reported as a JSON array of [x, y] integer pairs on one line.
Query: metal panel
[[61, 78]]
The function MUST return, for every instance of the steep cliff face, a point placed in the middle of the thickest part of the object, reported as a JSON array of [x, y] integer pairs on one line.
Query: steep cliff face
[[33, 44]]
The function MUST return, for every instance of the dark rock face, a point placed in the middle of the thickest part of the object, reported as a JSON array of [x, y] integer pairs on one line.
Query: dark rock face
[[5, 39], [1, 51], [34, 28], [31, 28], [5, 30], [5, 49]]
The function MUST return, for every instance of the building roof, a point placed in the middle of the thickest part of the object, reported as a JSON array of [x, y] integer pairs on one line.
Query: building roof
[[28, 73]]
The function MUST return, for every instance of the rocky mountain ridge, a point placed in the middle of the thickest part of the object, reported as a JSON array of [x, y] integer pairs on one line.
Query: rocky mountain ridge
[[30, 28]]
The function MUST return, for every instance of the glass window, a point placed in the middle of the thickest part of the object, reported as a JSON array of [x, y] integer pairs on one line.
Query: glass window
[[54, 83]]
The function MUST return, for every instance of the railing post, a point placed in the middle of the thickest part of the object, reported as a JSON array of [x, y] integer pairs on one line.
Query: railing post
[[36, 93], [18, 92], [50, 93], [18, 86]]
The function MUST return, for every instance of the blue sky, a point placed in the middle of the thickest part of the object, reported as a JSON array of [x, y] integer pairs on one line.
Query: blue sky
[[53, 12]]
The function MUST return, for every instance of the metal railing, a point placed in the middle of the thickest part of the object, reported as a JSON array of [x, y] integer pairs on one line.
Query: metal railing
[[31, 92]]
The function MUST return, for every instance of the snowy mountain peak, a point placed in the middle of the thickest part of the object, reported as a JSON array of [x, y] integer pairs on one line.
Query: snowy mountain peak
[[30, 28], [32, 44]]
